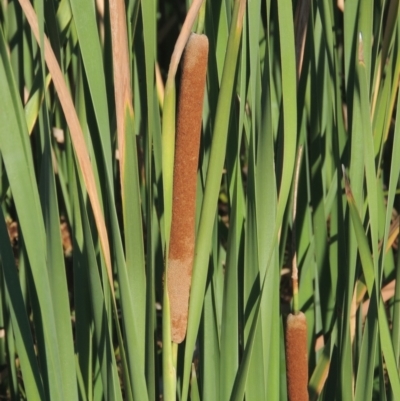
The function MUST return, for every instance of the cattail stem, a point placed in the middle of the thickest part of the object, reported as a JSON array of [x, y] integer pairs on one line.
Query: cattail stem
[[295, 273], [182, 239], [201, 17], [296, 324]]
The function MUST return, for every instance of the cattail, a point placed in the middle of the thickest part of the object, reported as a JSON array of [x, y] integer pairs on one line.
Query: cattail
[[296, 357], [188, 127], [296, 324]]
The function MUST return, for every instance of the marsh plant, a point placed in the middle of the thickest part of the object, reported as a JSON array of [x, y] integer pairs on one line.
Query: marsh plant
[[158, 239]]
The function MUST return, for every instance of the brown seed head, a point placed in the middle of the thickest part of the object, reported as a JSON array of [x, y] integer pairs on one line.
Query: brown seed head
[[182, 240], [296, 357]]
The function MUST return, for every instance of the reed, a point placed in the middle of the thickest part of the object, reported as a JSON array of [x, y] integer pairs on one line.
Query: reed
[[188, 127]]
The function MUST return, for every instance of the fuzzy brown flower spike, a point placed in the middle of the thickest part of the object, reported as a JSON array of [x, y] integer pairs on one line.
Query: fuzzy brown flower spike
[[296, 357], [188, 128]]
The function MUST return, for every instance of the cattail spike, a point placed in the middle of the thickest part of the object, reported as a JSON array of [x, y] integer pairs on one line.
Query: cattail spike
[[188, 128], [296, 357]]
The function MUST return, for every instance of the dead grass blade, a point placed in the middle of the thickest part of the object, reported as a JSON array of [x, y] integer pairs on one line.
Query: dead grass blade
[[77, 138]]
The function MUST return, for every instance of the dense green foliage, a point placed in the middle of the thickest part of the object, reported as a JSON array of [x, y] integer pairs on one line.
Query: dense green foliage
[[86, 159]]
